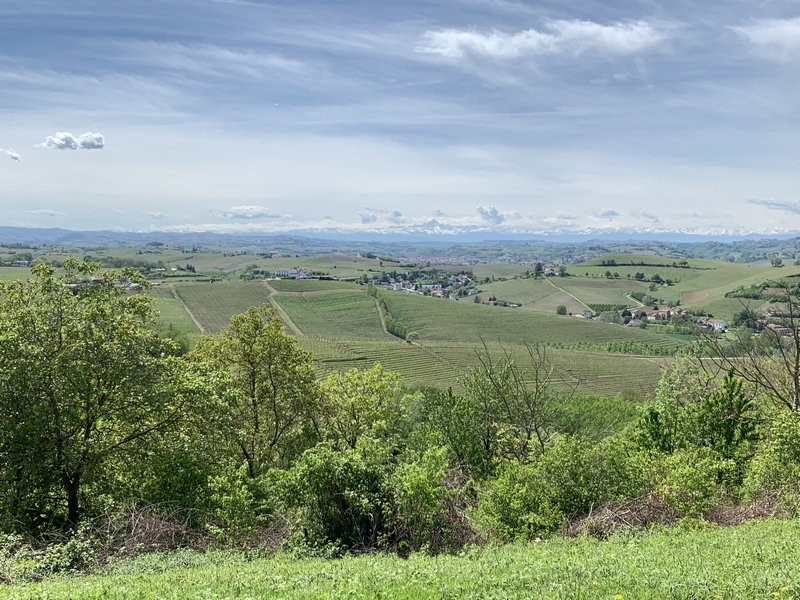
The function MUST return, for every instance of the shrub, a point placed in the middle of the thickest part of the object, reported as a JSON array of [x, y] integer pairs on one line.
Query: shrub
[[568, 480]]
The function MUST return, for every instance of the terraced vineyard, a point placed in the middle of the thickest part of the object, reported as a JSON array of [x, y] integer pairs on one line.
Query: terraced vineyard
[[439, 320], [443, 365], [310, 285], [344, 314], [213, 304], [172, 313]]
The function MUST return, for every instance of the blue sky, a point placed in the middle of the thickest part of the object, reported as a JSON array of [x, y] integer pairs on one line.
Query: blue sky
[[401, 117]]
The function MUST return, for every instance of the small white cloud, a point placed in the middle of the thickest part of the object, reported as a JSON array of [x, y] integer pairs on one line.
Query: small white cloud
[[249, 212], [622, 76], [45, 212], [779, 37], [608, 214], [367, 217], [116, 210], [490, 214], [11, 154], [437, 213], [67, 141], [395, 216], [781, 205], [156, 215], [327, 218]]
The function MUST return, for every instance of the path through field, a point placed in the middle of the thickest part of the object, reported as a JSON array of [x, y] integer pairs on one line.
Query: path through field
[[287, 320], [186, 308], [578, 300]]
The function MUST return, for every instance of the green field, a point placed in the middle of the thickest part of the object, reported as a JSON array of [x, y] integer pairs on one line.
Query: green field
[[213, 304], [344, 314], [464, 321], [171, 313], [755, 560]]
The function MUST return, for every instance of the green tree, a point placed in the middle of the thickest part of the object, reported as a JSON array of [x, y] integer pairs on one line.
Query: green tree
[[83, 378], [272, 407], [777, 261], [562, 271], [363, 403], [561, 309]]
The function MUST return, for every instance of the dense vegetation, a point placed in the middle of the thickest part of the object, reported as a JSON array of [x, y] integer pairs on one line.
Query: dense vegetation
[[115, 441]]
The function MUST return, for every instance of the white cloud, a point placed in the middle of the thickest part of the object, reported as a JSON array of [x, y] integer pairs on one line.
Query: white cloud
[[367, 217], [437, 213], [779, 37], [558, 37], [67, 141], [46, 212], [775, 204], [395, 216], [249, 212], [608, 214], [11, 154], [156, 215], [490, 214]]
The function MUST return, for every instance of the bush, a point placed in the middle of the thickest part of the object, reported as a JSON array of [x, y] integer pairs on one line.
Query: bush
[[776, 464], [691, 482], [568, 480]]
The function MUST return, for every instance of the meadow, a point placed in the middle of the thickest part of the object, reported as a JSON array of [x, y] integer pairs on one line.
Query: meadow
[[755, 560]]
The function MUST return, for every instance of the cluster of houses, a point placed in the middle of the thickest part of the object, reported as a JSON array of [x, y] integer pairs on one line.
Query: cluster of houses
[[300, 274], [434, 289]]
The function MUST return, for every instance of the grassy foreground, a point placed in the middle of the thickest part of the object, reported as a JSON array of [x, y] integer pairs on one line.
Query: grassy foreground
[[756, 560]]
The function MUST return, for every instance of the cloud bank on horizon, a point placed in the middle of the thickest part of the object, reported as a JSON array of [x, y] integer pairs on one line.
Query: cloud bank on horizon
[[414, 118]]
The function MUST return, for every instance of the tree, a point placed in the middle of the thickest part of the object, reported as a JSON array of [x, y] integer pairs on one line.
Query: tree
[[272, 409], [777, 261], [561, 309], [562, 271], [83, 377], [538, 270], [771, 362], [363, 403]]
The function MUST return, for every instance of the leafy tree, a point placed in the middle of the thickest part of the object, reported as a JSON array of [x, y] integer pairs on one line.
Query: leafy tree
[[777, 261], [83, 378], [538, 270], [363, 403], [272, 408], [562, 271], [561, 309]]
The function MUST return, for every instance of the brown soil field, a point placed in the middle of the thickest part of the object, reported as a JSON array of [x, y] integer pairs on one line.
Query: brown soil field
[[692, 297]]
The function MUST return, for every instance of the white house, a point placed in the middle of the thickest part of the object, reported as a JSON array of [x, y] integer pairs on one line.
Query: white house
[[286, 273]]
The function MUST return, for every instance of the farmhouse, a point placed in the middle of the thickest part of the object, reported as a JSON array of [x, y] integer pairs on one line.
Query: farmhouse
[[20, 263], [715, 324], [286, 273]]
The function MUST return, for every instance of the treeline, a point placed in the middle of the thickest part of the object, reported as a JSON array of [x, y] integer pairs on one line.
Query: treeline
[[238, 443]]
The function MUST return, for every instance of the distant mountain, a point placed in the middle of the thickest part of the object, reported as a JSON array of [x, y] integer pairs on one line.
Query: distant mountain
[[474, 247]]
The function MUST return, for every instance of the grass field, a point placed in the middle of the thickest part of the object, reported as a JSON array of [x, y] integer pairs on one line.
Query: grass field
[[11, 273], [755, 560]]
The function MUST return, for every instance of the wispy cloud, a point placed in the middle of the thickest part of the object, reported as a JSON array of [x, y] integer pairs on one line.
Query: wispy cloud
[[45, 212], [156, 215], [11, 154], [249, 212], [775, 204], [67, 141], [572, 37], [608, 214], [779, 37]]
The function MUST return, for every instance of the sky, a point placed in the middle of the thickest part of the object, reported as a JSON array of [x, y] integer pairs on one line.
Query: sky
[[415, 117]]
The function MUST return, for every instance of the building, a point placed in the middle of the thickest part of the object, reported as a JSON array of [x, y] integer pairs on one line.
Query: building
[[286, 273], [715, 324]]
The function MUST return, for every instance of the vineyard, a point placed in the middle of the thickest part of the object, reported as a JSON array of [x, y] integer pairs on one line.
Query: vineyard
[[213, 304], [344, 314]]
